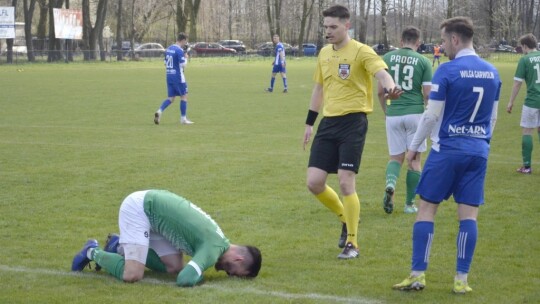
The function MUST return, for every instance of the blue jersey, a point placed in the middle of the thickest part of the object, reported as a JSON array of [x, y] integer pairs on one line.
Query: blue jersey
[[279, 49], [174, 63], [469, 86]]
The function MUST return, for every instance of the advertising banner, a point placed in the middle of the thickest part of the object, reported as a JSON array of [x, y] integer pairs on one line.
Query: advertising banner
[[67, 23], [7, 22]]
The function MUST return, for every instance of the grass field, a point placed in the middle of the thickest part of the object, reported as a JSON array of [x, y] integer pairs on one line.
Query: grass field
[[75, 139]]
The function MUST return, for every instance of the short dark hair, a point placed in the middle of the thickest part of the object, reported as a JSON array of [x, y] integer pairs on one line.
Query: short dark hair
[[337, 11], [461, 26], [256, 257], [529, 40], [181, 36], [410, 34]]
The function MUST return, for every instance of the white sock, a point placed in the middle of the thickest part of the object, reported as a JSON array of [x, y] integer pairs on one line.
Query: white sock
[[416, 273], [461, 276], [89, 253]]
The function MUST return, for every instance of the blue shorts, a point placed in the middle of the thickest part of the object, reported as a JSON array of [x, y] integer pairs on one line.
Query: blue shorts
[[278, 68], [451, 174], [176, 89]]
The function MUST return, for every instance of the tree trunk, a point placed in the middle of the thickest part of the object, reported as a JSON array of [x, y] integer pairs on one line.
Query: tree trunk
[[42, 25], [194, 12], [364, 15], [28, 13], [181, 18], [450, 9], [321, 41], [306, 12], [119, 46], [132, 31], [230, 20], [55, 45], [101, 14], [384, 32], [9, 42]]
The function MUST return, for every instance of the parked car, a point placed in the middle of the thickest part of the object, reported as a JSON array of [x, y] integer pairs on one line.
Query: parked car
[[505, 49], [268, 49], [125, 48], [210, 49], [310, 49], [426, 48], [238, 45], [150, 50], [380, 49]]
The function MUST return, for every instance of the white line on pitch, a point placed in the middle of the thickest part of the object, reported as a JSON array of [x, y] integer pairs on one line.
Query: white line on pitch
[[277, 294]]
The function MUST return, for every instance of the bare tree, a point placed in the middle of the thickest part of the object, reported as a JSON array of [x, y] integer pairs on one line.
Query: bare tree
[[450, 9], [273, 13], [28, 9], [93, 35], [384, 33], [42, 25], [307, 10], [364, 15], [320, 32], [55, 46], [119, 37], [9, 42]]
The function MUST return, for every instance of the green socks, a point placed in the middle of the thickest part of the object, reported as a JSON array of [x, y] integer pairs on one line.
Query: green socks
[[392, 173], [412, 181], [526, 149], [113, 263], [153, 262]]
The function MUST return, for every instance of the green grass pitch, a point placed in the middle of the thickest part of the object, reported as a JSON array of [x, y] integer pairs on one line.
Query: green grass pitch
[[75, 139]]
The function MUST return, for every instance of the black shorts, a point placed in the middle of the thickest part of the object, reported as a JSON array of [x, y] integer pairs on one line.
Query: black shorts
[[339, 143]]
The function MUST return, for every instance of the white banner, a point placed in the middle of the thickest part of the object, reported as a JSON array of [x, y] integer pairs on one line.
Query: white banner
[[67, 23], [7, 22]]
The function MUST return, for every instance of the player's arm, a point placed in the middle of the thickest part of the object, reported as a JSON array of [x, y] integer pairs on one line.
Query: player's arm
[[426, 88], [282, 57], [515, 91], [389, 87], [382, 99], [425, 126], [495, 108], [313, 112], [190, 276]]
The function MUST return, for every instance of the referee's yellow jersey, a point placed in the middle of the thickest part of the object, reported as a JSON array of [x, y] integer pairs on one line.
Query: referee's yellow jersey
[[347, 78]]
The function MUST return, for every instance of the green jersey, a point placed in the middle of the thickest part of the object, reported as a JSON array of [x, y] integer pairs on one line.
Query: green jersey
[[528, 69], [411, 71], [189, 229]]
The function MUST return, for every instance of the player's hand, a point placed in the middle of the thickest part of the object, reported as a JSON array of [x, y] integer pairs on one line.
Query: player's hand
[[411, 155], [393, 93], [509, 107], [307, 136]]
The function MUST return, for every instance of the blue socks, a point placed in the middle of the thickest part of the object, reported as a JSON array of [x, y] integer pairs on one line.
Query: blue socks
[[422, 238], [272, 82], [466, 243], [183, 108], [164, 105], [285, 83]]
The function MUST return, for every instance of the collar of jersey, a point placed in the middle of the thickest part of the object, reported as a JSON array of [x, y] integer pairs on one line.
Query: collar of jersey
[[466, 52]]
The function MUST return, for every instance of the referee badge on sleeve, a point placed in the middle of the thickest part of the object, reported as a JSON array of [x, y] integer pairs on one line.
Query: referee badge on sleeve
[[344, 71]]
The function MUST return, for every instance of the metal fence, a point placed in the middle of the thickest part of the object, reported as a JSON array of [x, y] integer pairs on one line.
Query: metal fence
[[111, 56]]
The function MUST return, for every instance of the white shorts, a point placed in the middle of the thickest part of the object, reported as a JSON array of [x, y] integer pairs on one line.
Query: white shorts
[[400, 133], [136, 235], [530, 117]]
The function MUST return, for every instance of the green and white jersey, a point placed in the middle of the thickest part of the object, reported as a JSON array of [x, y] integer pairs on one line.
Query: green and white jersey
[[528, 69], [189, 229], [410, 71]]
